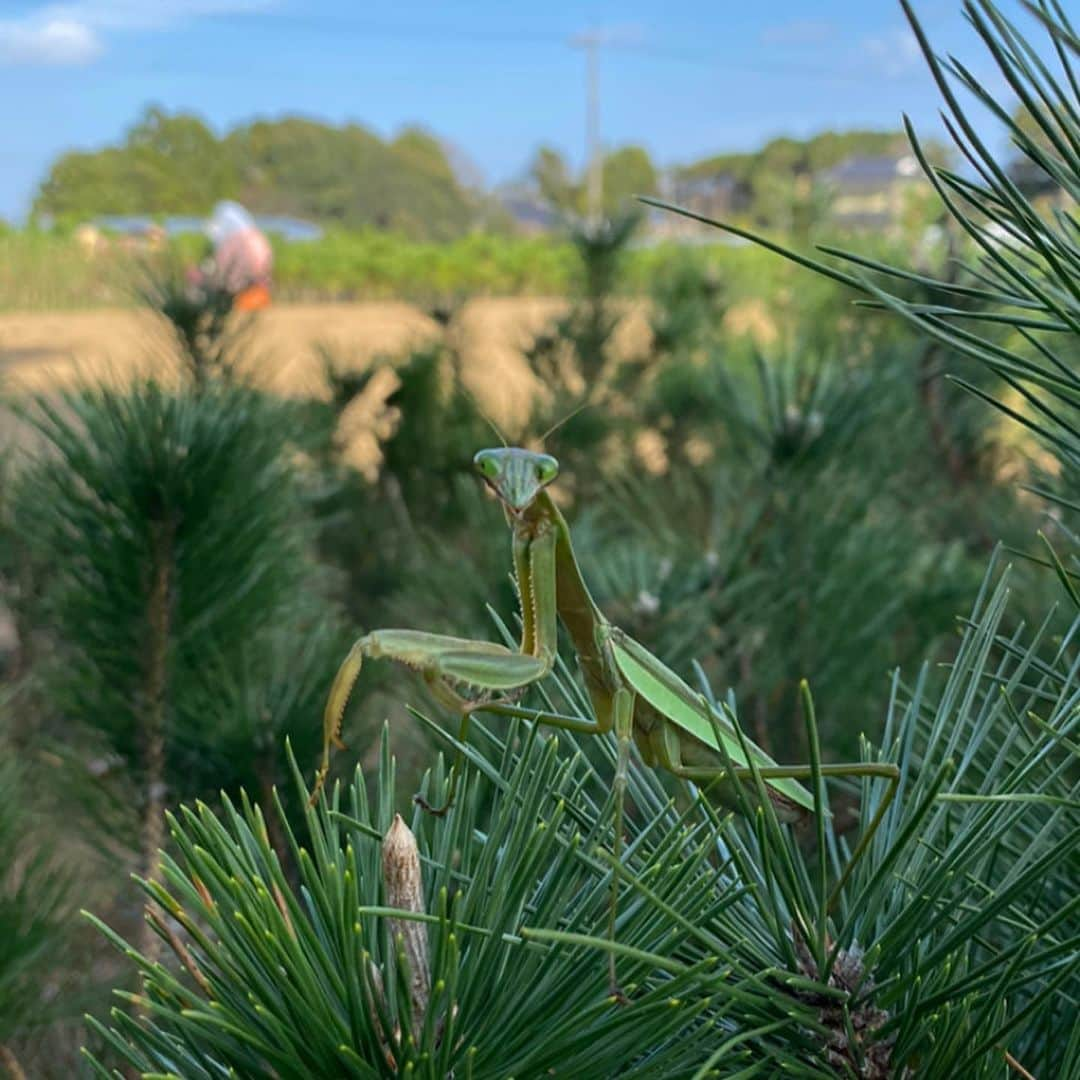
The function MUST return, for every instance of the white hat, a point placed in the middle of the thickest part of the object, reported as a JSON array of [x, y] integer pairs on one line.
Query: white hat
[[227, 219]]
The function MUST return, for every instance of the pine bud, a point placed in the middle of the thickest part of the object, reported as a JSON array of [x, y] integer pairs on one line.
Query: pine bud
[[405, 891]]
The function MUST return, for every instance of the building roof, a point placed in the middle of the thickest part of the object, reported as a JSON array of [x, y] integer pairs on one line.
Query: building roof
[[711, 184], [862, 170], [526, 211]]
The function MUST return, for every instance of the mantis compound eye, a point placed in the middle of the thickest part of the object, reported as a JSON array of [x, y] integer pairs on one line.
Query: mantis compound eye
[[547, 468], [487, 465]]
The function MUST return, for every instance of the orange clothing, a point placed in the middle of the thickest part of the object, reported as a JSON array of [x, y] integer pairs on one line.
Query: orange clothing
[[254, 298]]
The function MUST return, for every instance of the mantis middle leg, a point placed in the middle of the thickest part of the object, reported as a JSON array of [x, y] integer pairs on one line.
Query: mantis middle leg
[[615, 711]]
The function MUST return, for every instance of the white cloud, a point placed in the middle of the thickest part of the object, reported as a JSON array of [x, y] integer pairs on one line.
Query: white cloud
[[894, 52], [47, 42], [74, 32], [799, 32]]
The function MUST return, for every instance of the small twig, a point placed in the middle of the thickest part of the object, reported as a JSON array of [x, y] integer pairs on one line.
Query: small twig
[[183, 954], [279, 899], [1016, 1066]]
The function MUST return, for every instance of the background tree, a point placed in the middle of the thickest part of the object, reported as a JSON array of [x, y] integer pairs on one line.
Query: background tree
[[552, 178], [780, 181], [173, 163], [168, 539], [627, 171], [165, 164]]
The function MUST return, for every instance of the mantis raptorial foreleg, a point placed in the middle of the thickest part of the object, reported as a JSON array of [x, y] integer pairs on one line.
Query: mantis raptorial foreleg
[[443, 661]]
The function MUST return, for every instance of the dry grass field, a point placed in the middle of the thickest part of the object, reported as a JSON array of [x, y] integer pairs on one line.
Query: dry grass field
[[39, 351], [285, 347], [43, 351], [282, 352]]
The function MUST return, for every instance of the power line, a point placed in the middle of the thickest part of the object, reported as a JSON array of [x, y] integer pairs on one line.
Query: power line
[[336, 24], [614, 41]]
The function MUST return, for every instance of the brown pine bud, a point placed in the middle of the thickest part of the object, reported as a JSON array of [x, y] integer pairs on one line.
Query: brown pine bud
[[405, 891]]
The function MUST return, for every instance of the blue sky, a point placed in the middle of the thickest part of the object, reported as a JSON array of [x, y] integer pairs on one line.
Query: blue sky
[[685, 78]]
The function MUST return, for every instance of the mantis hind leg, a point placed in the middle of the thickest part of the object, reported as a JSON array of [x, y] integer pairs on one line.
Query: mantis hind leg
[[669, 756], [624, 730]]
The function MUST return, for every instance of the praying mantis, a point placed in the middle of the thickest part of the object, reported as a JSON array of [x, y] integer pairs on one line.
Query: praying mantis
[[632, 692]]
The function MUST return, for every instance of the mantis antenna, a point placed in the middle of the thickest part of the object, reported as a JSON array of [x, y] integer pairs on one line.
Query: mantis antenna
[[480, 412], [559, 423]]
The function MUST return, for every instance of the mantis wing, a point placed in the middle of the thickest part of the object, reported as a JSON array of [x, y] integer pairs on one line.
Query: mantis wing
[[673, 699]]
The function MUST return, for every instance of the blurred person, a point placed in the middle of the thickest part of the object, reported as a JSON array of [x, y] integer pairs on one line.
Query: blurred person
[[241, 259], [154, 237], [89, 240]]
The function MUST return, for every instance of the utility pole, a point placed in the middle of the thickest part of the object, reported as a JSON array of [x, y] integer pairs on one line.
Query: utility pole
[[590, 42]]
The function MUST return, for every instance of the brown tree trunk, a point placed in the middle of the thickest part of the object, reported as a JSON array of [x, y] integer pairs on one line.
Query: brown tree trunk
[[274, 832], [153, 719], [940, 432], [929, 385], [10, 1064]]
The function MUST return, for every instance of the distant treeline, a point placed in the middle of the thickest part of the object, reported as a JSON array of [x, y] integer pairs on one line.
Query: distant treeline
[[347, 176], [413, 184], [784, 155]]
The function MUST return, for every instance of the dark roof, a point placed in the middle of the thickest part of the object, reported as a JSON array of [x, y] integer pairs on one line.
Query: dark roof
[[712, 184], [868, 219], [876, 169], [527, 212]]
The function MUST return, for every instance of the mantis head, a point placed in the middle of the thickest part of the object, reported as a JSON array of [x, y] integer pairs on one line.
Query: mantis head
[[516, 476]]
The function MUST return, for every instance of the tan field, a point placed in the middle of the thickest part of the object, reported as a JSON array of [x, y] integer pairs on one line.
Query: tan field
[[284, 351], [62, 349], [59, 349], [53, 351]]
